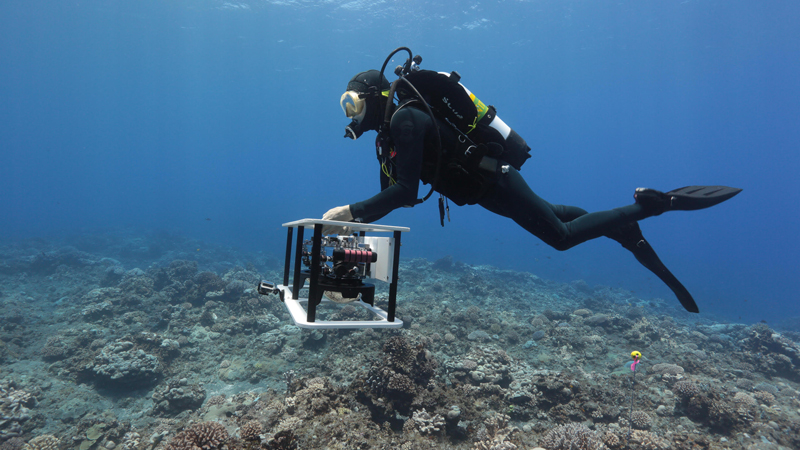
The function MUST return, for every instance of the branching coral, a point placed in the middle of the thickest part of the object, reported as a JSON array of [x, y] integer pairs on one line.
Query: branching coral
[[200, 436], [404, 371], [572, 436], [764, 397], [44, 442], [251, 430], [495, 434], [426, 423], [685, 389], [14, 409], [646, 440], [641, 420]]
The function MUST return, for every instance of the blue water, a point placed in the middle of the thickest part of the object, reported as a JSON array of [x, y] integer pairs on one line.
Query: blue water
[[220, 120]]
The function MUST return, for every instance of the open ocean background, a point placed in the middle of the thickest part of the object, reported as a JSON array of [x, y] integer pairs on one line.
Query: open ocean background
[[220, 121]]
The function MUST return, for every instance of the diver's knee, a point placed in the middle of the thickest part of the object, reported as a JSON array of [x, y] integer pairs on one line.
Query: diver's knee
[[561, 245]]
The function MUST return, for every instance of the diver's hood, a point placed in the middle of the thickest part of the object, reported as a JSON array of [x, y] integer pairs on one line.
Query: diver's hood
[[363, 102]]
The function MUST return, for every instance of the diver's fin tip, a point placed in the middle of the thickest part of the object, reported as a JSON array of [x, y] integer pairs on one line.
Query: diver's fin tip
[[690, 198]]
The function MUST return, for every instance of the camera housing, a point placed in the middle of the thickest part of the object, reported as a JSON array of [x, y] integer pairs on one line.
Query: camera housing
[[334, 268]]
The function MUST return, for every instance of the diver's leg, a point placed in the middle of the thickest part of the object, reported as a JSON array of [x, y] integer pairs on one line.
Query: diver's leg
[[567, 213], [524, 207], [630, 236], [513, 198]]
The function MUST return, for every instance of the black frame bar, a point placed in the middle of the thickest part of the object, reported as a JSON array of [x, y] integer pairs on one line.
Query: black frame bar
[[393, 285], [288, 264], [297, 282], [313, 282]]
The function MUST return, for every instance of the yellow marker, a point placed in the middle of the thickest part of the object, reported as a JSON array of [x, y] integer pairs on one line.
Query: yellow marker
[[479, 105], [636, 355]]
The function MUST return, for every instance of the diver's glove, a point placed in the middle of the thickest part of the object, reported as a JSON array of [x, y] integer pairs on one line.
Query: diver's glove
[[341, 213]]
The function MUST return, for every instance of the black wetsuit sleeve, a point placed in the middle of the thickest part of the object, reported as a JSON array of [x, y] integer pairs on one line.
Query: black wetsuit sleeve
[[409, 127]]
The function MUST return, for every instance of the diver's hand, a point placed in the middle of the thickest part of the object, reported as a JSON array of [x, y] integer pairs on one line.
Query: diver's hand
[[341, 213]]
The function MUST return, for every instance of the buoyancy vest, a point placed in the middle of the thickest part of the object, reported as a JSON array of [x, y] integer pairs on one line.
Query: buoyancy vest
[[453, 103]]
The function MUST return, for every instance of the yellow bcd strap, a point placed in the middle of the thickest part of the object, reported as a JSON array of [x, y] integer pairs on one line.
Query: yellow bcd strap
[[482, 110]]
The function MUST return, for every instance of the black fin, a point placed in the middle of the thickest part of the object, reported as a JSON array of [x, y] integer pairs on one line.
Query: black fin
[[690, 198], [645, 254], [630, 236]]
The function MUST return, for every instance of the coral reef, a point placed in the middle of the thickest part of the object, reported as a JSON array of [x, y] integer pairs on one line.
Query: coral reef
[[425, 423], [178, 395], [251, 430], [669, 369], [200, 436], [495, 434], [15, 407], [44, 442], [120, 363], [641, 420], [778, 355], [572, 437], [686, 389], [185, 355], [401, 376]]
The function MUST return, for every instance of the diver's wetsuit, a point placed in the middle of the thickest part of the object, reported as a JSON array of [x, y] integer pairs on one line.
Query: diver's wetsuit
[[560, 226]]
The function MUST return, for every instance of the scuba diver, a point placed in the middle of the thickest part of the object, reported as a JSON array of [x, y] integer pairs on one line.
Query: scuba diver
[[439, 133]]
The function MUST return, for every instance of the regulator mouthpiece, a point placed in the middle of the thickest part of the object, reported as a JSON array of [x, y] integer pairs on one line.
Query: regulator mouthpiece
[[353, 131]]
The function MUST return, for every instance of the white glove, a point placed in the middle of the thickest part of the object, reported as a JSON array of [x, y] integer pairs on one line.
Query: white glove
[[340, 213]]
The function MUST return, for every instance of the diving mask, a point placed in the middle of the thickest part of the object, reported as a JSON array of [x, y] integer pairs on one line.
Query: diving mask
[[352, 104]]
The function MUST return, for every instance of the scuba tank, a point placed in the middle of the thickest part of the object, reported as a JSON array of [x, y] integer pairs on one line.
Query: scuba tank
[[490, 128], [475, 122], [484, 141]]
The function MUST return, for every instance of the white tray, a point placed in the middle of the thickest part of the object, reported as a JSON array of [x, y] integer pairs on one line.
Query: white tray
[[299, 314]]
